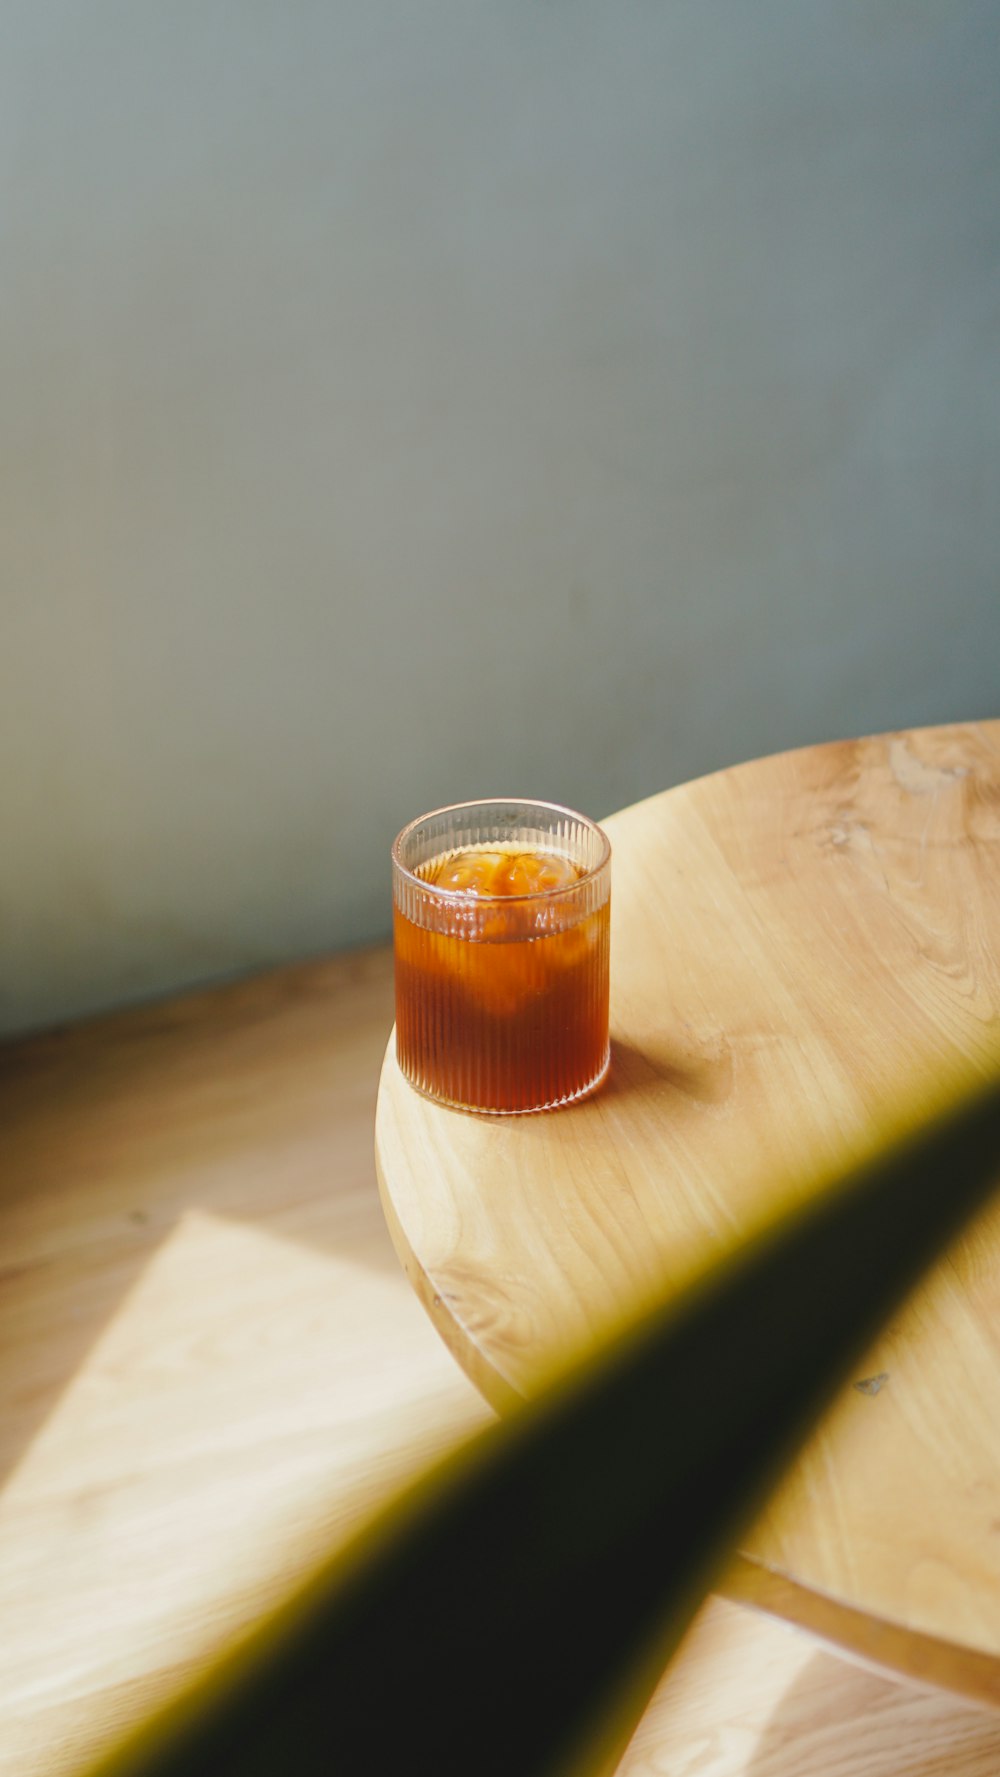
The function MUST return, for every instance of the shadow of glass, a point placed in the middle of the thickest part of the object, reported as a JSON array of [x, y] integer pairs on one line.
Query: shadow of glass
[[705, 1077]]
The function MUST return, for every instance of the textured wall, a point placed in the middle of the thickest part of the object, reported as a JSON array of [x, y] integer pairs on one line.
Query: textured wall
[[409, 401]]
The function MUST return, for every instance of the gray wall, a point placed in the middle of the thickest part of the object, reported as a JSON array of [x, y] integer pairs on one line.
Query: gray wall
[[405, 401]]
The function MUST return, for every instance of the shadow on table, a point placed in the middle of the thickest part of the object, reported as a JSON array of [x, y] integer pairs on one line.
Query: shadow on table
[[704, 1074]]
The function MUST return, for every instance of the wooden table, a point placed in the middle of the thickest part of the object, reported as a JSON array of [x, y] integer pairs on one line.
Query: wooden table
[[211, 1366], [802, 949]]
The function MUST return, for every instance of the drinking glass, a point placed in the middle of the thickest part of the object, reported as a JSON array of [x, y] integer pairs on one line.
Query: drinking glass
[[501, 920]]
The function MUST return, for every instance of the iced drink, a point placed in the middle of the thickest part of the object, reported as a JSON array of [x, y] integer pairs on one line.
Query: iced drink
[[501, 949]]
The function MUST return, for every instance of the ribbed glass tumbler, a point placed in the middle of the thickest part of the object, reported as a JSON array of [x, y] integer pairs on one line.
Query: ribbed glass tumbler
[[501, 914]]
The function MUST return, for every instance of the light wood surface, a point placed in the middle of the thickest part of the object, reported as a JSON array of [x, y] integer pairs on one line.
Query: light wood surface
[[803, 950], [211, 1366]]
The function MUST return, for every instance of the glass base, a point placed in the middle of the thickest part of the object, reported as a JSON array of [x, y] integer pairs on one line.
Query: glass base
[[533, 1110]]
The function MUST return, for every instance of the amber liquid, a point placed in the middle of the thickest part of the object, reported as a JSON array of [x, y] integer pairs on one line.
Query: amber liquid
[[514, 1018]]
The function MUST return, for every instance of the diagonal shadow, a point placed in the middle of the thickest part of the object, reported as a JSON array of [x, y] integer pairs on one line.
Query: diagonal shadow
[[254, 1101]]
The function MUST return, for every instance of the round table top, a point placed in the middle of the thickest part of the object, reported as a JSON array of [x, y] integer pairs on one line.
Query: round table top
[[796, 942]]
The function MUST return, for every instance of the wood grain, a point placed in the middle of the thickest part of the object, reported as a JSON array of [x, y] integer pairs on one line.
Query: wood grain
[[211, 1366], [805, 953], [745, 1695]]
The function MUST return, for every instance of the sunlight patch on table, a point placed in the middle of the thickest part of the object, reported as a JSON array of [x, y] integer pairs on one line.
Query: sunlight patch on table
[[251, 1397]]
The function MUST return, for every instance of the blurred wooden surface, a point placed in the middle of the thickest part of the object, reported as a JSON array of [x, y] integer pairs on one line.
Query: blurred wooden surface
[[805, 951], [211, 1366]]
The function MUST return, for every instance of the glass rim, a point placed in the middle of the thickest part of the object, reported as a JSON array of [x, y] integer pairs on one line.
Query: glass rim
[[528, 802]]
